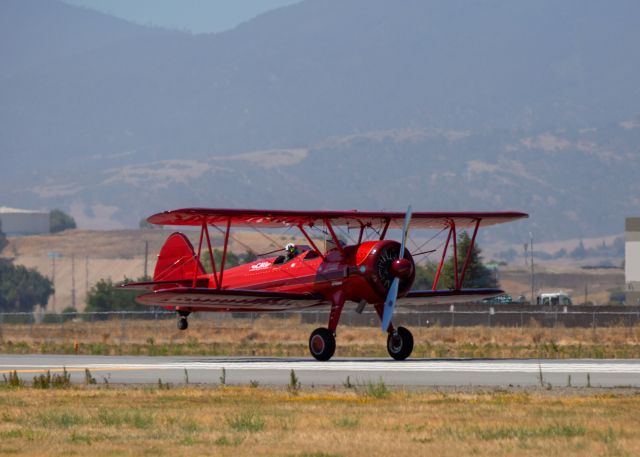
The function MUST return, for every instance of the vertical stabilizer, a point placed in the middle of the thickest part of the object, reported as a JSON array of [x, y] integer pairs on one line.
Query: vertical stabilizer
[[177, 260]]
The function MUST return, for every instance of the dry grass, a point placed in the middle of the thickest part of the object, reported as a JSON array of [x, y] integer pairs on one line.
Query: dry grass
[[257, 421], [278, 337]]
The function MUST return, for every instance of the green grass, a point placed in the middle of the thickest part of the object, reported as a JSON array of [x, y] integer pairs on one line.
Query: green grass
[[375, 389], [247, 421], [60, 419], [226, 441], [135, 419], [347, 422], [551, 431]]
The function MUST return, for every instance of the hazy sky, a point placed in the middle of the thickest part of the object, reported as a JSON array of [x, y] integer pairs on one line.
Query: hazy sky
[[197, 16]]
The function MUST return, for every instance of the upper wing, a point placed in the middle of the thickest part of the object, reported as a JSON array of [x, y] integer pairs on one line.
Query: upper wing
[[229, 299], [281, 218], [449, 296]]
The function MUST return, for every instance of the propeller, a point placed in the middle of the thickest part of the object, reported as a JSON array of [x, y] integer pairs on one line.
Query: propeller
[[392, 295]]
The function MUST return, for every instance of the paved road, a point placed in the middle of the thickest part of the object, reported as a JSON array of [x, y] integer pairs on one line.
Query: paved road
[[276, 371]]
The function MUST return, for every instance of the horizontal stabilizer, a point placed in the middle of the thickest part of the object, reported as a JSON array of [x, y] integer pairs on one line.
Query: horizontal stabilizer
[[157, 285]]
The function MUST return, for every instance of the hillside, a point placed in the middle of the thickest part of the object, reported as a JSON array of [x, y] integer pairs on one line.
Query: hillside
[[529, 106]]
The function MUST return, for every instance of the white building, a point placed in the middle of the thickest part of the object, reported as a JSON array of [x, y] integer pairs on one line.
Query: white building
[[632, 260], [23, 222]]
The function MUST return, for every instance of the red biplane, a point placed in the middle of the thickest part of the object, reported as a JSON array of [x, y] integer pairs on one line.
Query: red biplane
[[370, 271]]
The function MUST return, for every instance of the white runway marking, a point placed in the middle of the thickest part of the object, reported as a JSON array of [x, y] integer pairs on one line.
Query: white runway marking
[[364, 365]]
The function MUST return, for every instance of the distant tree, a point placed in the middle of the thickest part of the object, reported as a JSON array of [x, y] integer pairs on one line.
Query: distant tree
[[579, 252], [232, 260], [3, 238], [70, 313], [618, 247], [22, 289], [542, 255], [509, 255], [146, 225], [59, 221], [425, 275], [105, 296], [477, 275], [248, 257], [560, 253]]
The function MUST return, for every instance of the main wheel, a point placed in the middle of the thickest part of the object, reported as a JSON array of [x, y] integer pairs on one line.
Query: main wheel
[[400, 343], [322, 344], [183, 324]]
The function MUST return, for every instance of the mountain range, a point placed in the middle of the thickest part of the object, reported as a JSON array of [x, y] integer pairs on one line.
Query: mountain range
[[369, 104]]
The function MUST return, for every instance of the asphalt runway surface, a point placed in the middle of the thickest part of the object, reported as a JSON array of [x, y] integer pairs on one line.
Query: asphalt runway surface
[[276, 371]]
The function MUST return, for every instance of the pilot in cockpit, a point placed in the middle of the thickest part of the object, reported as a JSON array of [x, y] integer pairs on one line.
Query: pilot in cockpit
[[292, 252]]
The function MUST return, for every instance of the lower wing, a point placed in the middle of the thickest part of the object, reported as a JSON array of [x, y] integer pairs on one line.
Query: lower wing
[[447, 296], [205, 299]]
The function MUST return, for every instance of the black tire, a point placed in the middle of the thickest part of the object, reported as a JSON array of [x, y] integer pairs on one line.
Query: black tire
[[322, 344], [400, 343], [183, 324]]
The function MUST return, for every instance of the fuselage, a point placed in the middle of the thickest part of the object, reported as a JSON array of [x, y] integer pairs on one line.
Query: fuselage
[[358, 271]]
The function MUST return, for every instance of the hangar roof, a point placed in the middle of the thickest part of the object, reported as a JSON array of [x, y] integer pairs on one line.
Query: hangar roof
[[7, 210]]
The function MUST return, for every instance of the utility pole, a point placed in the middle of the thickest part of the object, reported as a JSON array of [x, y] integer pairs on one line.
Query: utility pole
[[86, 275], [53, 280], [53, 256], [146, 258], [532, 271], [73, 281], [586, 293]]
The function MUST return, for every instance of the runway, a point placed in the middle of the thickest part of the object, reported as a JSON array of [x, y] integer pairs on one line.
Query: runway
[[276, 371]]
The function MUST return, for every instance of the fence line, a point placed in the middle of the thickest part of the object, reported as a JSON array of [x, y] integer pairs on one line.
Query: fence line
[[445, 318]]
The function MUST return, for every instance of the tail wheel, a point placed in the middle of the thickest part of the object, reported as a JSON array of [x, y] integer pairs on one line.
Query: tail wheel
[[183, 324], [400, 343], [322, 344]]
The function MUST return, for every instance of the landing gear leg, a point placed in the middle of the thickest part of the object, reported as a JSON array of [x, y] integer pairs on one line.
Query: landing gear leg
[[322, 342], [183, 324], [399, 340]]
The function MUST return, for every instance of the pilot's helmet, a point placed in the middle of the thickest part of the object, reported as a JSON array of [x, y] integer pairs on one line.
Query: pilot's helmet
[[290, 247]]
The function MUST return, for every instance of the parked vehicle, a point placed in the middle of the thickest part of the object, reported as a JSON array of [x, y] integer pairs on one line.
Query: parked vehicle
[[554, 299], [503, 299]]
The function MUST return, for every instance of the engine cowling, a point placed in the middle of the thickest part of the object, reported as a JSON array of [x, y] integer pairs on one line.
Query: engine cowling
[[382, 265]]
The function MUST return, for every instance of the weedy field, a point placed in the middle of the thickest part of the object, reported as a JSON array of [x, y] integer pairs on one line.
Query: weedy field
[[288, 337], [361, 420]]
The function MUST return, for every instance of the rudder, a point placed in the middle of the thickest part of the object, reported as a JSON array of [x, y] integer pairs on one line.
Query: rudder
[[177, 260]]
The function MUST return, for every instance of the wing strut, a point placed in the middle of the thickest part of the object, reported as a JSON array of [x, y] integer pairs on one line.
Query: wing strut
[[444, 254], [455, 255], [211, 259], [204, 233], [197, 259], [458, 275], [468, 258], [224, 252], [384, 230], [334, 236], [313, 245]]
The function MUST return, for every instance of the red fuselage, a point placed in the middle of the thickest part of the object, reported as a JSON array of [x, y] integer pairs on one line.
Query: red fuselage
[[360, 272]]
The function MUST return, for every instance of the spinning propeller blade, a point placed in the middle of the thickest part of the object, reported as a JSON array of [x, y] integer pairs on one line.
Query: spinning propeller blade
[[392, 295]]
